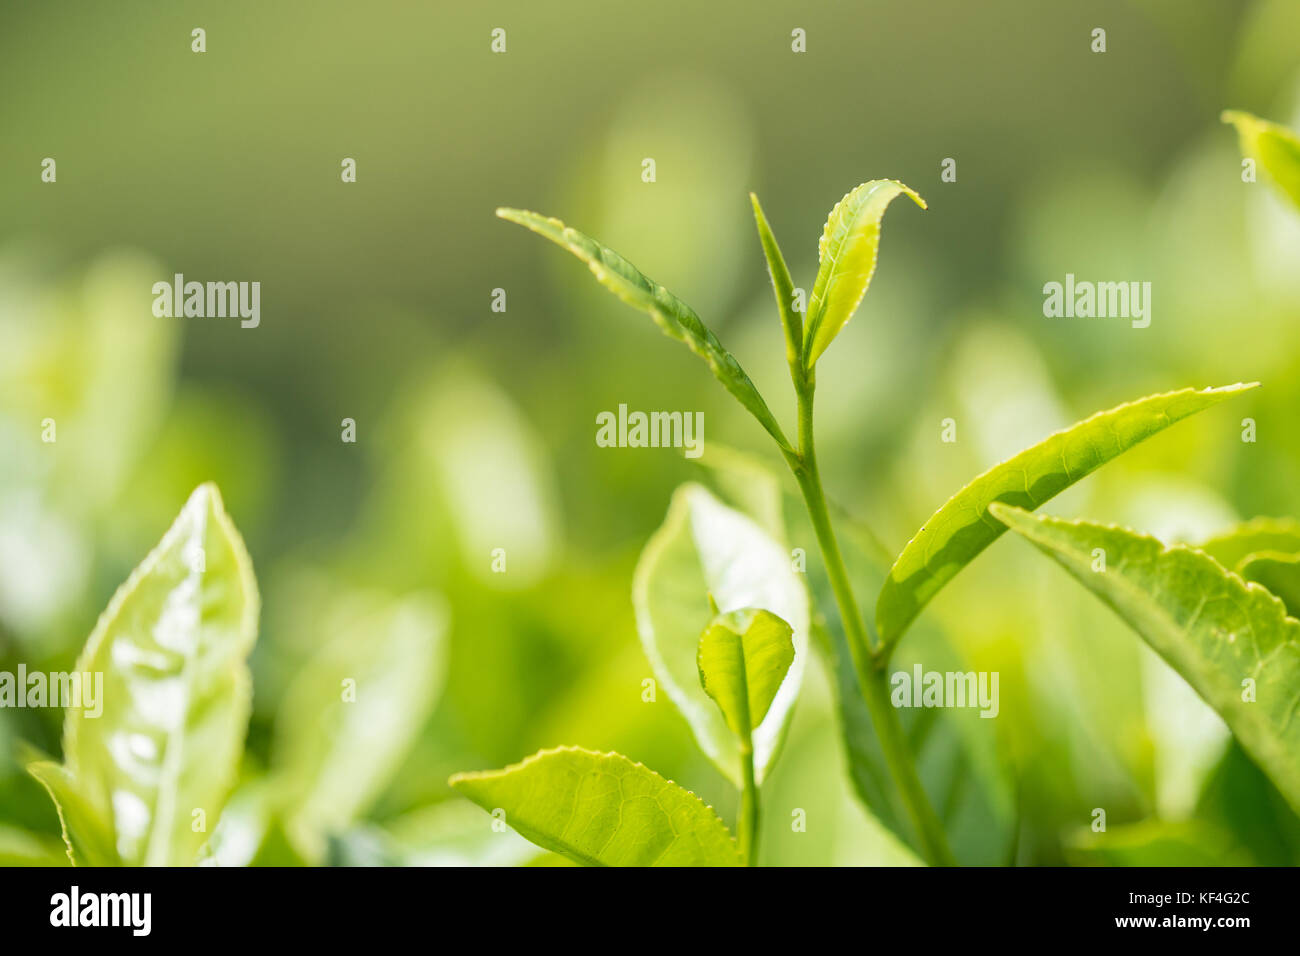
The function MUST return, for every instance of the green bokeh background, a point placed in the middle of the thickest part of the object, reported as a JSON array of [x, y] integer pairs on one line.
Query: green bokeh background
[[475, 429]]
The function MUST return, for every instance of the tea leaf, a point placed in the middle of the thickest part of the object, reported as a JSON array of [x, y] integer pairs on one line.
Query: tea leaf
[[743, 658], [87, 828], [171, 647], [677, 319], [602, 809], [782, 286], [955, 534], [1212, 627], [1275, 147], [1278, 573], [706, 549], [958, 754], [1230, 548], [847, 254]]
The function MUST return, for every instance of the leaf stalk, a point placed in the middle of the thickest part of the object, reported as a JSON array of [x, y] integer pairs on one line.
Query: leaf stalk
[[748, 821], [869, 660]]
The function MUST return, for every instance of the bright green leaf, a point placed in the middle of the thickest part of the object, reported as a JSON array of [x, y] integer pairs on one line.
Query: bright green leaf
[[706, 549], [782, 286], [847, 254], [1275, 147], [955, 534], [1212, 627], [171, 647], [602, 810], [743, 658], [677, 319]]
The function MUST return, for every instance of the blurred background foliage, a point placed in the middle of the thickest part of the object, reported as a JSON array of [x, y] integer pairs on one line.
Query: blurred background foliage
[[475, 429]]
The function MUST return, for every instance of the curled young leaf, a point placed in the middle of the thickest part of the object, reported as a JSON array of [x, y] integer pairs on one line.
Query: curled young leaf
[[677, 319], [602, 809], [743, 658], [954, 535], [1232, 641], [847, 254], [782, 287], [1275, 147]]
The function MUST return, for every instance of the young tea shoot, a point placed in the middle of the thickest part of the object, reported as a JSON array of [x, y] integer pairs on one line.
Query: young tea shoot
[[744, 632]]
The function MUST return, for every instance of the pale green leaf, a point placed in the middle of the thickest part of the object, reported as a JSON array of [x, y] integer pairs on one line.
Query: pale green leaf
[[955, 534], [743, 658], [171, 647], [847, 254], [677, 319], [355, 708], [602, 809], [1213, 628], [1275, 147], [782, 286], [706, 549]]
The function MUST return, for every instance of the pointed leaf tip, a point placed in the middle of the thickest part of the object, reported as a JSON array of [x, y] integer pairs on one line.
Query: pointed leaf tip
[[674, 317], [847, 251], [178, 630], [958, 532]]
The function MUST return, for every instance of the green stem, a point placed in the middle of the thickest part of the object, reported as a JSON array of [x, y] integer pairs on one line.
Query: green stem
[[868, 663], [748, 806]]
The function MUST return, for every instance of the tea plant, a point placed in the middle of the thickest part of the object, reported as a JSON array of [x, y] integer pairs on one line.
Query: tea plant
[[1214, 626], [1223, 614], [159, 776]]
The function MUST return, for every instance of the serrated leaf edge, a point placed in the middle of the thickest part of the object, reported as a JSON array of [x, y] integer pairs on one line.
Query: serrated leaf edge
[[1234, 388], [471, 775], [206, 496], [1165, 548]]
